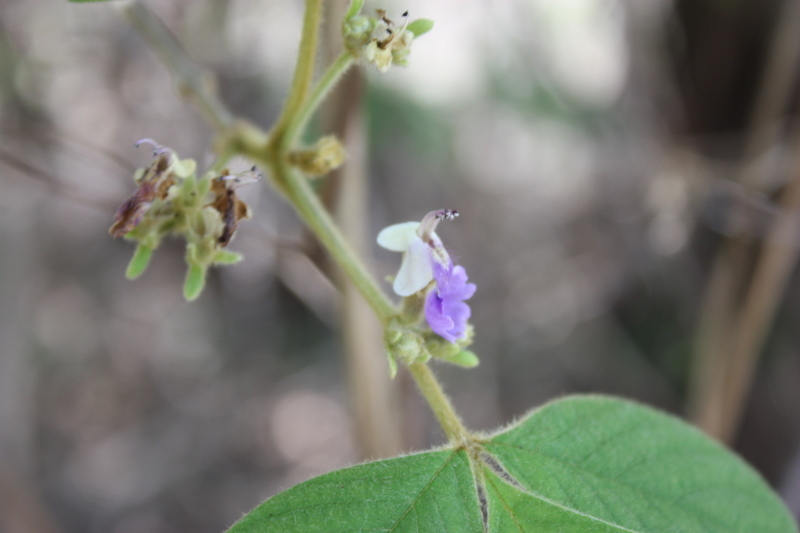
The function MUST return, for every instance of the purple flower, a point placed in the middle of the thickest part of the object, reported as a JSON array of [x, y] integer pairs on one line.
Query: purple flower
[[424, 260], [445, 310]]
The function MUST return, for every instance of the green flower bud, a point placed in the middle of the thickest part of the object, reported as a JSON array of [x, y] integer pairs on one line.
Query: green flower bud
[[379, 41], [404, 344], [420, 26], [327, 154]]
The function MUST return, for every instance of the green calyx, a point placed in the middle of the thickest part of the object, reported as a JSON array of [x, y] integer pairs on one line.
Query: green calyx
[[325, 155], [407, 343], [452, 352], [403, 343]]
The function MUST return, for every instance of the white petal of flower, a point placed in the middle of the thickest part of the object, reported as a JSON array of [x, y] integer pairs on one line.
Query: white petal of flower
[[416, 271], [398, 237]]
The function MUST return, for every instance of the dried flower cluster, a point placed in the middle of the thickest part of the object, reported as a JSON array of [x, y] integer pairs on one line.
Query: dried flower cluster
[[170, 200]]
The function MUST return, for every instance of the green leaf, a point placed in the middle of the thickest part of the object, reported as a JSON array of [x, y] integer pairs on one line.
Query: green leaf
[[627, 468], [139, 261], [194, 283], [420, 26], [514, 510], [582, 464], [431, 491]]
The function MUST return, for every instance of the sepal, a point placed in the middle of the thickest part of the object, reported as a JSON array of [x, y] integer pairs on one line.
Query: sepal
[[195, 281], [226, 257], [139, 261]]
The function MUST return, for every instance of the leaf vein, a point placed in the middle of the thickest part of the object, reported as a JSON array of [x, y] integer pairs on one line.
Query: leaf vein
[[633, 488], [421, 492]]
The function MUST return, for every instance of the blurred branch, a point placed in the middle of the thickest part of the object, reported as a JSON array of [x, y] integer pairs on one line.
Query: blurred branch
[[193, 83], [775, 89], [726, 353], [29, 171], [775, 264], [21, 509], [729, 383], [65, 138]]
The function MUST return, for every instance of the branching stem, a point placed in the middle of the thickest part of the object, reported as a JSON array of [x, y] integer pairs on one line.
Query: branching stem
[[271, 152], [304, 69], [328, 80]]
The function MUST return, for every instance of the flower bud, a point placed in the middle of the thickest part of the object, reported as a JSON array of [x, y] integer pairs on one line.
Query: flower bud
[[327, 154], [379, 40], [405, 344]]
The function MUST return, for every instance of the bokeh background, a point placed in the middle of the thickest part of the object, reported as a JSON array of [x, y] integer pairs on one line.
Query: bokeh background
[[620, 167]]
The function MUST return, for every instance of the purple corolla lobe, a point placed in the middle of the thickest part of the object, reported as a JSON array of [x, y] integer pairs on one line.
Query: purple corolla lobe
[[445, 310]]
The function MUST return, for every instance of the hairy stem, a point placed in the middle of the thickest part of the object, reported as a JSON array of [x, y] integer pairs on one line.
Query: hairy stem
[[304, 69], [316, 216], [298, 122], [439, 402], [192, 81]]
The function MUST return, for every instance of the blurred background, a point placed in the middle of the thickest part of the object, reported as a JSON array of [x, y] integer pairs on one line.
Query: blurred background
[[628, 177]]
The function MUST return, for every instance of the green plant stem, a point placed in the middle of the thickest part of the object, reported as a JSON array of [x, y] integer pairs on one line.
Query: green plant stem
[[192, 81], [304, 69], [298, 122], [353, 9], [439, 402], [316, 216]]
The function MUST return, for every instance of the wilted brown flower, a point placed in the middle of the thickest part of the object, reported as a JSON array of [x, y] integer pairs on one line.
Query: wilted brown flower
[[154, 183]]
